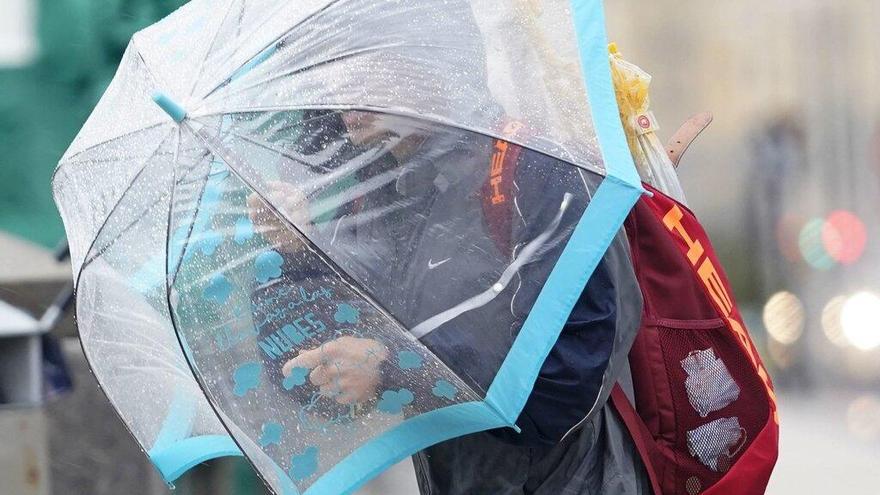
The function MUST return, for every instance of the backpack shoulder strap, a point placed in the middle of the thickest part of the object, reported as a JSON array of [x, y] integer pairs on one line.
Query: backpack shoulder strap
[[640, 434]]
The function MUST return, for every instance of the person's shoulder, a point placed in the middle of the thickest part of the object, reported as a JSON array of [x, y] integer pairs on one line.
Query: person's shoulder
[[542, 169], [530, 155]]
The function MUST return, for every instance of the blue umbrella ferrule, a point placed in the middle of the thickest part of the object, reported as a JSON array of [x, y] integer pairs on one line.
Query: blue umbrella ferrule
[[175, 111]]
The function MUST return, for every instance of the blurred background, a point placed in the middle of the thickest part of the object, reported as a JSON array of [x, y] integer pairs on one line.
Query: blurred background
[[786, 181]]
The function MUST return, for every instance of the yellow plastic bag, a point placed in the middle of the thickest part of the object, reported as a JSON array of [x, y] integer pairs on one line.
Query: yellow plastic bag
[[632, 85]]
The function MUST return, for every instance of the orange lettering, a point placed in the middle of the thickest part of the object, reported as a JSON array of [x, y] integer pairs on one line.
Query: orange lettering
[[498, 196], [672, 220], [719, 294], [716, 288], [497, 164]]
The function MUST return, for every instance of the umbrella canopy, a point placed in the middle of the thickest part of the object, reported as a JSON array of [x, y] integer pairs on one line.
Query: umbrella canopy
[[328, 234]]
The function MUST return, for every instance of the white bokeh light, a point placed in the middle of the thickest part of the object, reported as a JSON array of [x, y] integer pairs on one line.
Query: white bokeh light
[[831, 325], [860, 320], [784, 317]]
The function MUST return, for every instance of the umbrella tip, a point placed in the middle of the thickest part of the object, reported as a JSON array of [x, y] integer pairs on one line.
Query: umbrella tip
[[175, 111]]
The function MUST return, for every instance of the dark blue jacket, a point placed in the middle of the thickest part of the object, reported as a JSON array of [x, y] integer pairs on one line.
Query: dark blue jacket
[[457, 228], [445, 247]]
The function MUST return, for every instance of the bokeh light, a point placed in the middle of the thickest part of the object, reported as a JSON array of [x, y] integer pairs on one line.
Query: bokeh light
[[784, 317], [811, 245], [863, 417], [860, 320], [844, 237], [831, 321]]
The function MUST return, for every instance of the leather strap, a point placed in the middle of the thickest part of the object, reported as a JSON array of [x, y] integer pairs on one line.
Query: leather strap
[[686, 134]]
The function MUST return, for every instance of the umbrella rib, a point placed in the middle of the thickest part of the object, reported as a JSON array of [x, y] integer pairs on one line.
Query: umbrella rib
[[342, 56], [116, 205], [70, 159], [113, 158], [156, 81], [188, 359], [350, 166], [124, 230], [219, 150], [269, 147], [133, 46], [400, 113], [189, 231], [204, 61], [214, 87], [365, 187]]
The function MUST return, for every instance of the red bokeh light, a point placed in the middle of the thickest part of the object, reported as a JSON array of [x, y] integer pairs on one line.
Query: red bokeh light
[[844, 237]]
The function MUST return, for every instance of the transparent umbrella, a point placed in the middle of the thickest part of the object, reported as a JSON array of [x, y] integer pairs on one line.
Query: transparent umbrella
[[328, 234]]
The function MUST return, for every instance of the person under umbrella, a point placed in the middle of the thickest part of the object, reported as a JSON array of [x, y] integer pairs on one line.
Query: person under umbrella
[[568, 440]]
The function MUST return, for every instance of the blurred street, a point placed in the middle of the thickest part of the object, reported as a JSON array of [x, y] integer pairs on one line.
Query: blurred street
[[823, 446], [822, 450]]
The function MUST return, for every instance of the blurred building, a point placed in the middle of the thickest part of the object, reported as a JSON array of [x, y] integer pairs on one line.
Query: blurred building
[[56, 58], [786, 182], [786, 179]]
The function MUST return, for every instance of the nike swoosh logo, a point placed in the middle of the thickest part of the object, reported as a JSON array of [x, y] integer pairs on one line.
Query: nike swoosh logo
[[432, 265]]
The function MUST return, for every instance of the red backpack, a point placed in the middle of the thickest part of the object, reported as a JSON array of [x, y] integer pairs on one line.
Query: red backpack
[[704, 415]]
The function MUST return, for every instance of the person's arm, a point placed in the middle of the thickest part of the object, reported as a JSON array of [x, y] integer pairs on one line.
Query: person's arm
[[570, 378], [292, 203]]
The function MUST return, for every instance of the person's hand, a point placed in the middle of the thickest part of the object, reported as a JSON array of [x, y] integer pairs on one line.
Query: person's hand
[[290, 202], [346, 369]]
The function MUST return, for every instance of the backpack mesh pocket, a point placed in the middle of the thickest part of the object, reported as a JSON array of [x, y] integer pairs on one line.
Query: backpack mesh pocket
[[709, 385], [708, 376]]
